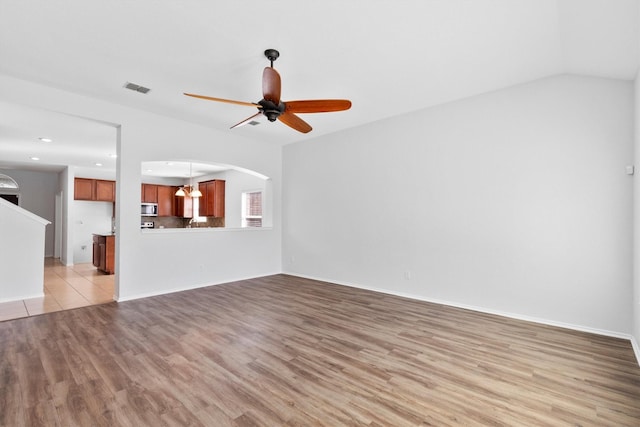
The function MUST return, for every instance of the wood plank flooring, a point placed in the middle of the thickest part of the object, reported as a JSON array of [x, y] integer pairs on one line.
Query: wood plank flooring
[[282, 350]]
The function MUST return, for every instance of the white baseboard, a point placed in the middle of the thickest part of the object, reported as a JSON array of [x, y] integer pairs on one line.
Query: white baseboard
[[23, 297], [186, 288], [517, 316]]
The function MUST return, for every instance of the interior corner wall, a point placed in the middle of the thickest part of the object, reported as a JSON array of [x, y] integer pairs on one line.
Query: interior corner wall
[[514, 202], [67, 186]]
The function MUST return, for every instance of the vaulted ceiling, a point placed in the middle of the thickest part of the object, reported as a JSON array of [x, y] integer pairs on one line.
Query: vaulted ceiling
[[388, 57]]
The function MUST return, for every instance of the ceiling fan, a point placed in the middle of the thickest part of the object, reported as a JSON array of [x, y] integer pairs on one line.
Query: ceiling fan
[[274, 108]]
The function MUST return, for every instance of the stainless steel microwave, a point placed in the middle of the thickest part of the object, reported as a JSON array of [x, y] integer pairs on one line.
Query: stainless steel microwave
[[149, 209]]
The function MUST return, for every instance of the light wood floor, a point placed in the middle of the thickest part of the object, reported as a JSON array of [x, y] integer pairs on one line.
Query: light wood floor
[[288, 351], [65, 287]]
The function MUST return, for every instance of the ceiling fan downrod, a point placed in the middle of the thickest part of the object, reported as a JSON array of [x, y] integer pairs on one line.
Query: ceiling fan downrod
[[271, 55]]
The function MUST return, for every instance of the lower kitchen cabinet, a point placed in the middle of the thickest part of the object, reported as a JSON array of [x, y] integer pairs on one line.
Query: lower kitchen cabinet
[[104, 246]]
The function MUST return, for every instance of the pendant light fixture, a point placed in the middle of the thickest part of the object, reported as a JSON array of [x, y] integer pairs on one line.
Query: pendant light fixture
[[184, 191]]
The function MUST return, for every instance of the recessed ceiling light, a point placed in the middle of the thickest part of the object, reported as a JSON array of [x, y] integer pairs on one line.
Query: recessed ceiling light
[[113, 156], [148, 170], [169, 163], [98, 164], [46, 139], [35, 158]]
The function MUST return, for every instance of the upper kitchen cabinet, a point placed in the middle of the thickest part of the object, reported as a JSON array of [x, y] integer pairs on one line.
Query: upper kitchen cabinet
[[166, 200], [183, 206], [105, 190], [83, 189], [212, 201], [149, 193], [163, 195], [94, 189]]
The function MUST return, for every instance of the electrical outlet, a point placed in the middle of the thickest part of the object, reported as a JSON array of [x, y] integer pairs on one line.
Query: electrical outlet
[[83, 247], [407, 275]]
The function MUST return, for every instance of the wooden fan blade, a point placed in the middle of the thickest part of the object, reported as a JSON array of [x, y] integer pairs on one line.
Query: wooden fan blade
[[294, 122], [245, 121], [271, 85], [228, 101], [317, 105]]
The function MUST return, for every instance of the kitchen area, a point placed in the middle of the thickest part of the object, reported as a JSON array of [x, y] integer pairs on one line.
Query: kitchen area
[[187, 206], [176, 196], [161, 207]]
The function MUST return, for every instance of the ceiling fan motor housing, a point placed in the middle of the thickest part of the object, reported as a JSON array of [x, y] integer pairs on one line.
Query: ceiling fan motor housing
[[271, 110], [271, 55]]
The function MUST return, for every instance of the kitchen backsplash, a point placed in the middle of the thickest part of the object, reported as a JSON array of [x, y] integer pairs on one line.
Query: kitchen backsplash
[[177, 222]]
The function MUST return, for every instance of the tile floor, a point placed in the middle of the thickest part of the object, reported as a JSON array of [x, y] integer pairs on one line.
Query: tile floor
[[76, 286]]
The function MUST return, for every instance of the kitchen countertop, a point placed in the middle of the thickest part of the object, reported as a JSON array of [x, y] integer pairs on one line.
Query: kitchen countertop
[[158, 231]]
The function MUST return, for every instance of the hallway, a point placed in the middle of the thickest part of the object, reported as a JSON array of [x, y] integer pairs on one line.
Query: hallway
[[75, 286]]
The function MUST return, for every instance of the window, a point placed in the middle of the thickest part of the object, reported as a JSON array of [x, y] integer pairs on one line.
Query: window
[[9, 189], [252, 209]]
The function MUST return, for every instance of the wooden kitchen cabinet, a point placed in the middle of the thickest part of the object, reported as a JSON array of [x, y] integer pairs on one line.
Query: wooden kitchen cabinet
[[83, 189], [183, 206], [166, 202], [212, 200], [149, 193], [100, 190], [163, 195], [105, 191], [104, 246]]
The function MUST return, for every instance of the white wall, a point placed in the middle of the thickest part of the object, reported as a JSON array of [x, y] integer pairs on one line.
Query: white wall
[[38, 196], [66, 186], [635, 300], [189, 258], [88, 218], [514, 202], [237, 183], [21, 253], [149, 264]]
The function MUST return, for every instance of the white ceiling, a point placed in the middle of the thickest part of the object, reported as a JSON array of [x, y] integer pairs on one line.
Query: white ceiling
[[179, 169], [388, 57]]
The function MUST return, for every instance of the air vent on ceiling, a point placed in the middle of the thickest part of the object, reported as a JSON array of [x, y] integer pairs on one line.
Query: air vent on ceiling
[[137, 88], [253, 123]]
